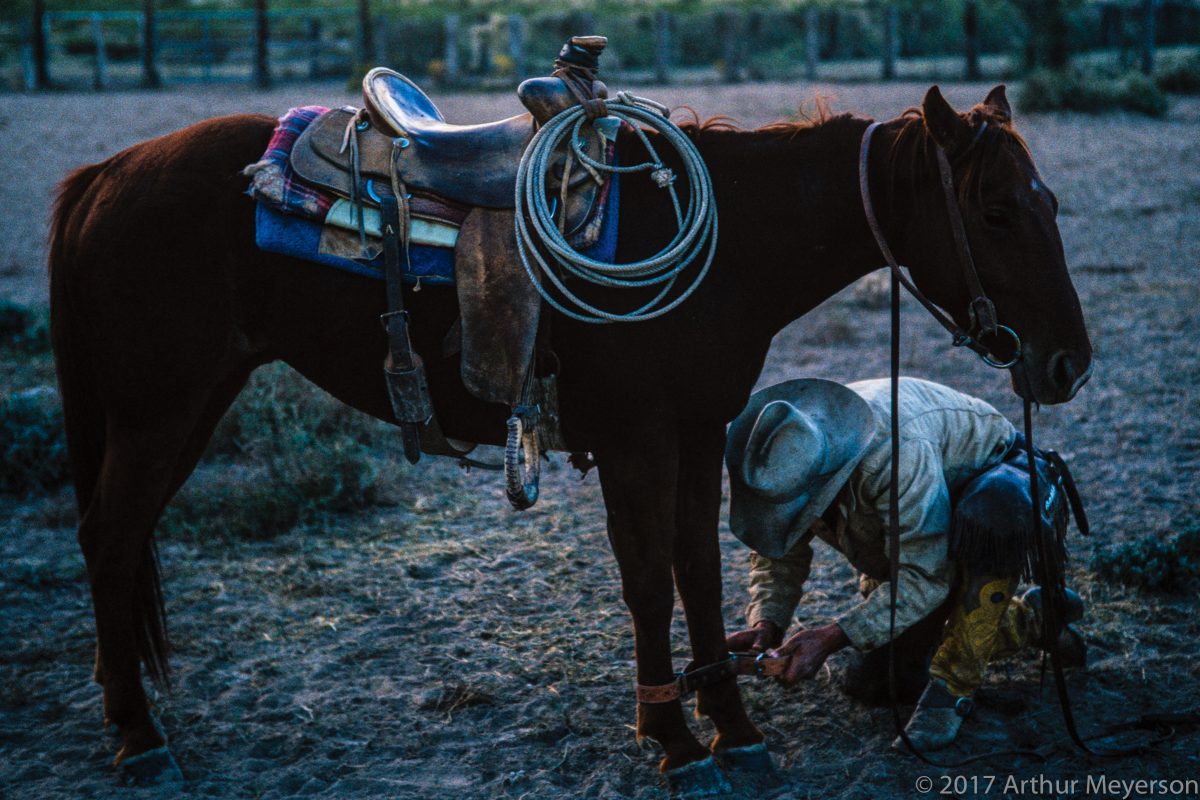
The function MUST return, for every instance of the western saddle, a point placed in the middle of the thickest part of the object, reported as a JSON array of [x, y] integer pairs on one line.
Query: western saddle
[[401, 129], [400, 155]]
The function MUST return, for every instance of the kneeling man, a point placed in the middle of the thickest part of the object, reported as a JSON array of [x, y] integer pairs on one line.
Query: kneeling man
[[811, 459]]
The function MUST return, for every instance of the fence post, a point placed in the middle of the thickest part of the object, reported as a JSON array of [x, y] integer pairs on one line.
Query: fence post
[[890, 41], [516, 44], [100, 76], [751, 36], [731, 24], [382, 38], [1149, 7], [150, 76], [583, 23], [206, 46], [662, 46], [314, 47], [485, 36], [28, 73], [262, 69], [971, 36], [365, 43], [477, 61], [450, 48], [41, 53], [812, 42]]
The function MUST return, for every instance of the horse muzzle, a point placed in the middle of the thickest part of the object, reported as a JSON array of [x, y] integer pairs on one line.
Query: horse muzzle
[[1072, 372], [1055, 381]]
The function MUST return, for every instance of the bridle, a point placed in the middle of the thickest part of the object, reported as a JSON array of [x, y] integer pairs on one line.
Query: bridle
[[981, 310], [1050, 574]]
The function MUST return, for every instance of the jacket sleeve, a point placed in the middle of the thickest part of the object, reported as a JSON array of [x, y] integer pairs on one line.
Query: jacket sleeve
[[777, 584], [924, 569]]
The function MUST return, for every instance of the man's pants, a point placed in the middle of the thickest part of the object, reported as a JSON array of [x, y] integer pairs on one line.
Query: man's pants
[[986, 624], [979, 623]]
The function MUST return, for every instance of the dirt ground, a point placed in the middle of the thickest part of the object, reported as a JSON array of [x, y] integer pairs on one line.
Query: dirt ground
[[449, 647]]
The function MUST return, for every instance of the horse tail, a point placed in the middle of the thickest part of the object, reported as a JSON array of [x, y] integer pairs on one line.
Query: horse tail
[[83, 411], [83, 416]]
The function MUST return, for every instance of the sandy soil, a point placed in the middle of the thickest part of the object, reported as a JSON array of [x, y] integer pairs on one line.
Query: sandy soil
[[450, 647]]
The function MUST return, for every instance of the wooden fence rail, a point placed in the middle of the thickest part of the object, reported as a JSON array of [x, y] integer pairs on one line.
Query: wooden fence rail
[[261, 46]]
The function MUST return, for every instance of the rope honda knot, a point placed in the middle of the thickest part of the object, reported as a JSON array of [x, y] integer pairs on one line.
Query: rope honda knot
[[663, 176]]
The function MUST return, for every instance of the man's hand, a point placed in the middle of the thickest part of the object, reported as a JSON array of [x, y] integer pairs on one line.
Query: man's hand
[[763, 636], [807, 651]]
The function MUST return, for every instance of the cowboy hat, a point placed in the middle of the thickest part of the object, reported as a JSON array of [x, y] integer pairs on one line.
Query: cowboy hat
[[789, 453]]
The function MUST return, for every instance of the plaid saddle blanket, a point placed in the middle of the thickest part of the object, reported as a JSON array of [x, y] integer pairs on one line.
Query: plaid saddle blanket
[[298, 220]]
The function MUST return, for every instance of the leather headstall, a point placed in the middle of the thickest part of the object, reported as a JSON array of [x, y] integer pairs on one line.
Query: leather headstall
[[981, 310]]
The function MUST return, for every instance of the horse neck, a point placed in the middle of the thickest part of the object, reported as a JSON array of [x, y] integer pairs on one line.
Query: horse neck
[[792, 228]]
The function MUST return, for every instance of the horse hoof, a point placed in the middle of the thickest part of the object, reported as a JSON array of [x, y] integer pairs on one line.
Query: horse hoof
[[698, 779], [155, 767], [750, 769]]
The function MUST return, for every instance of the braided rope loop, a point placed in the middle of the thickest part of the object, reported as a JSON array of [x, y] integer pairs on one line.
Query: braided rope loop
[[539, 238]]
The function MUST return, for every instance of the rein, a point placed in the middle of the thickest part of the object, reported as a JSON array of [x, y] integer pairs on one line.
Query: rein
[[1050, 573]]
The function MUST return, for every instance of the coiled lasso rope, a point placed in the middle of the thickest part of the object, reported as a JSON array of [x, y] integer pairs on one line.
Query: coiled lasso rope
[[536, 229]]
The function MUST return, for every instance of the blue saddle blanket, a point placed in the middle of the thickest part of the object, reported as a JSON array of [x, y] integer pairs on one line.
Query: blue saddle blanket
[[290, 235], [290, 216]]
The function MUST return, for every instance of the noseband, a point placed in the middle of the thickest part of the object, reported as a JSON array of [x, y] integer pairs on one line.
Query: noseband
[[981, 311]]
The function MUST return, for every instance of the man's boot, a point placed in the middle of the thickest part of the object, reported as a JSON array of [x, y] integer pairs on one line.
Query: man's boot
[[935, 722], [1072, 647], [865, 677]]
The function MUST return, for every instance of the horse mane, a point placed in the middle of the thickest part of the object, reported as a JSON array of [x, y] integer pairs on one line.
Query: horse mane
[[806, 118], [912, 151]]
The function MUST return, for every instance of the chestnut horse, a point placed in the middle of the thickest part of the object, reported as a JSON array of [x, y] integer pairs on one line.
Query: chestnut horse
[[162, 306]]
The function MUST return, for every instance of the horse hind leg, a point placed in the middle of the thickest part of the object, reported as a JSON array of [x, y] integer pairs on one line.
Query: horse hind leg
[[143, 466]]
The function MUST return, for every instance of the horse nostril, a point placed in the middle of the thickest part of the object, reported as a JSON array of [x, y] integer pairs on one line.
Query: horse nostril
[[1063, 373]]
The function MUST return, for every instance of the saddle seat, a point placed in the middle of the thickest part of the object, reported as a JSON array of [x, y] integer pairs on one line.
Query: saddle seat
[[477, 162], [475, 165]]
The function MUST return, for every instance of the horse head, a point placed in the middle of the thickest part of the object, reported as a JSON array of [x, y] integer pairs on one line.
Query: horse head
[[1009, 216]]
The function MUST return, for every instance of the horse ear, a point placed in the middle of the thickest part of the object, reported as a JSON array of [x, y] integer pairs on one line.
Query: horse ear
[[944, 124], [998, 102]]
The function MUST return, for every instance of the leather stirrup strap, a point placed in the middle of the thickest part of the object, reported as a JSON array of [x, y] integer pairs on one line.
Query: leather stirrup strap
[[403, 368], [1081, 520]]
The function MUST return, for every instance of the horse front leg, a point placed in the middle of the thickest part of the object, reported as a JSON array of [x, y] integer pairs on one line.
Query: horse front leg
[[697, 563], [638, 473]]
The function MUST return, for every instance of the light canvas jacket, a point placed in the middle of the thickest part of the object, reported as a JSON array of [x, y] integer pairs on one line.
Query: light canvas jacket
[[946, 438]]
